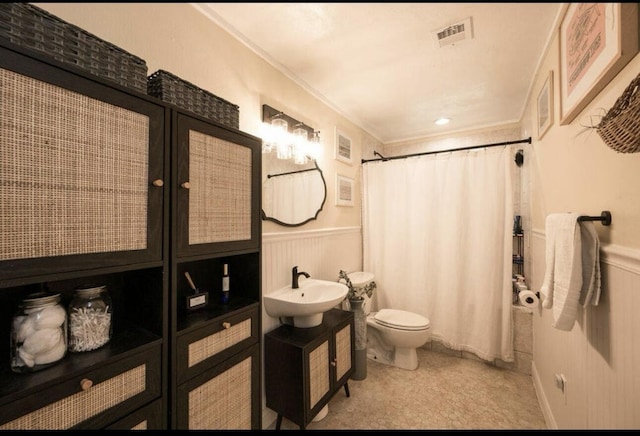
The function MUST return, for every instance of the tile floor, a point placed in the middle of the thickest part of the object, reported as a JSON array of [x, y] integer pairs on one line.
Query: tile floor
[[445, 392]]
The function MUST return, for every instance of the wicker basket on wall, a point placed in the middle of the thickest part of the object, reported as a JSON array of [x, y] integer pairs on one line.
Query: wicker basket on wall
[[33, 28], [172, 89], [620, 127]]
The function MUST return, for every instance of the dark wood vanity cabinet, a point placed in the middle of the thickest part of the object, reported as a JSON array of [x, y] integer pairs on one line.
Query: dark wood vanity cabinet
[[305, 367], [215, 361], [82, 202]]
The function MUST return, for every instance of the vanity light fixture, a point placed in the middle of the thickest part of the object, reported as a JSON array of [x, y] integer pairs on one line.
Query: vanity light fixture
[[442, 121], [289, 137]]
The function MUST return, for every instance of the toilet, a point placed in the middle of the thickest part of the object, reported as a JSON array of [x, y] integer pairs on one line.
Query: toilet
[[392, 334]]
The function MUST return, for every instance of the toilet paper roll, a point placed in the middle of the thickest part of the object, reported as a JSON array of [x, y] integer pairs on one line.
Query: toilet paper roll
[[528, 298]]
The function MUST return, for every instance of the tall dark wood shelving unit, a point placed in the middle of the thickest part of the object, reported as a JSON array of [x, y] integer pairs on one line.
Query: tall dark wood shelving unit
[[58, 397], [221, 340], [170, 352]]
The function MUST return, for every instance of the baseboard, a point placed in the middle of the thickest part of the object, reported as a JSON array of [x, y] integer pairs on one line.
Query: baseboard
[[542, 399]]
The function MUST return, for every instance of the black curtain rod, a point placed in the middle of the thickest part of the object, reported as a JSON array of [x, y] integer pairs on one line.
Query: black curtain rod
[[290, 172], [528, 141]]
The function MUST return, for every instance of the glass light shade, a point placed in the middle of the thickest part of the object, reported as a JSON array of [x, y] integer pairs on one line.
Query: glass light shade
[[282, 138], [284, 150], [266, 148], [280, 130], [314, 147], [300, 146], [268, 137]]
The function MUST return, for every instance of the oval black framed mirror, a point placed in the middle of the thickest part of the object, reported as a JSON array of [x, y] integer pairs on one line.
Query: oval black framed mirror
[[292, 195]]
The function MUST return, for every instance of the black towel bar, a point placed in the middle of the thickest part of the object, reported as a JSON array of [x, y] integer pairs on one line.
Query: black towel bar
[[605, 217]]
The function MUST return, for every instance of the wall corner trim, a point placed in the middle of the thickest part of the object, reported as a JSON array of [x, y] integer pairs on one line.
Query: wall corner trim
[[619, 256], [303, 234]]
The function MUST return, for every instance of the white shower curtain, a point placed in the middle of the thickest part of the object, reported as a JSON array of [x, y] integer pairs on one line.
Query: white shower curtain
[[438, 237]]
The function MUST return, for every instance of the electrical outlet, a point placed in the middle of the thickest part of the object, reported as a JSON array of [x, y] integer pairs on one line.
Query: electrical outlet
[[561, 383]]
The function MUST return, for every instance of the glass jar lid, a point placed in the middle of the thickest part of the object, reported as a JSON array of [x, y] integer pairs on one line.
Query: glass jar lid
[[90, 289], [41, 298]]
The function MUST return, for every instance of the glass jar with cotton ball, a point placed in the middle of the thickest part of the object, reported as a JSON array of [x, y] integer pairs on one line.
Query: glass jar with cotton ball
[[38, 333]]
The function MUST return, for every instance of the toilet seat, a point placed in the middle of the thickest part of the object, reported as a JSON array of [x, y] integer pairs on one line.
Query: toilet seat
[[401, 320]]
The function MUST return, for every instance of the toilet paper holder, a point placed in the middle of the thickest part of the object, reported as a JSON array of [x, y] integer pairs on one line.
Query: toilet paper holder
[[528, 298], [537, 294]]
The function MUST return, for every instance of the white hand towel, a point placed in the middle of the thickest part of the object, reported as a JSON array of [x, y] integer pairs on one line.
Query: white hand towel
[[546, 291], [590, 293], [563, 277]]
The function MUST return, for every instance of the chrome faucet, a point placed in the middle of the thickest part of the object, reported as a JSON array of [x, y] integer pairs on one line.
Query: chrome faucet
[[294, 277]]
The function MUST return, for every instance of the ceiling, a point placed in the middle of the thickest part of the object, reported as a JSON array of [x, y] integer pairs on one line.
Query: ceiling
[[381, 66]]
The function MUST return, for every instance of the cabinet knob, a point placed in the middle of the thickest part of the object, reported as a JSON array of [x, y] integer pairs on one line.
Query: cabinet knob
[[333, 363], [158, 183], [186, 185], [85, 384], [226, 325]]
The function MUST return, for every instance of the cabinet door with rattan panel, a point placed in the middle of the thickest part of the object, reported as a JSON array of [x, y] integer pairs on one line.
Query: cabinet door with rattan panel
[[216, 341], [93, 399], [225, 397], [216, 186], [82, 171]]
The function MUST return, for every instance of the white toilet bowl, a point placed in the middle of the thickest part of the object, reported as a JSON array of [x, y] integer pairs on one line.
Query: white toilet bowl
[[393, 336]]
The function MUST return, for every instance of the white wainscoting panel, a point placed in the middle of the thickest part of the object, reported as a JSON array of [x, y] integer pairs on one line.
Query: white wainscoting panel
[[601, 355], [321, 253]]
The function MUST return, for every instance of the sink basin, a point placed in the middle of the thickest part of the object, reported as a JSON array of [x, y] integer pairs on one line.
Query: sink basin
[[307, 304]]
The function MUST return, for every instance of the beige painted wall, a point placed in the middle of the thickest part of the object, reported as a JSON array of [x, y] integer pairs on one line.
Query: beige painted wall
[[571, 169], [177, 38]]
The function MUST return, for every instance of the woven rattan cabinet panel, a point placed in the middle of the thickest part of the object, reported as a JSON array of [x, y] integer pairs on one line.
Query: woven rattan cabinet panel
[[305, 367], [318, 373]]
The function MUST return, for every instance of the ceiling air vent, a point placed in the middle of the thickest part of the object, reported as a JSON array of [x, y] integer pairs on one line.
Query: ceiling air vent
[[454, 33]]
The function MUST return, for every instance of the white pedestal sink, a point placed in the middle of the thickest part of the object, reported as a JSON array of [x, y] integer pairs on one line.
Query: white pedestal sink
[[307, 304]]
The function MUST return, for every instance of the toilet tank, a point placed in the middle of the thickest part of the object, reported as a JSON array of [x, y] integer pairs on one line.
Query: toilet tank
[[360, 278]]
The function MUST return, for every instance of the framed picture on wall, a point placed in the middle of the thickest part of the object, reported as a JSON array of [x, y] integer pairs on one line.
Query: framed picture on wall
[[344, 191], [544, 106], [343, 147], [596, 41]]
